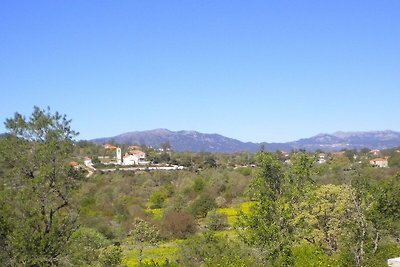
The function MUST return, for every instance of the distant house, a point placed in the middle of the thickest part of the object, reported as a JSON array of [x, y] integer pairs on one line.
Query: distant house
[[134, 147], [285, 154], [134, 157], [88, 162], [73, 163], [321, 158], [375, 152], [109, 146], [379, 162]]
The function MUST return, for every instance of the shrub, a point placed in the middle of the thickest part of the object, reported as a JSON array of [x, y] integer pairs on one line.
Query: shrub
[[177, 224], [157, 199], [220, 201], [216, 221], [202, 205], [198, 185]]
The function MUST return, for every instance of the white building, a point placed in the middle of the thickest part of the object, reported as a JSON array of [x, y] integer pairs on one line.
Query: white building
[[88, 162], [134, 157], [119, 154], [379, 162], [395, 262], [321, 158], [375, 152]]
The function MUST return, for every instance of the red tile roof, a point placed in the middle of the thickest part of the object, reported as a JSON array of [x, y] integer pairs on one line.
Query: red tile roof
[[109, 146]]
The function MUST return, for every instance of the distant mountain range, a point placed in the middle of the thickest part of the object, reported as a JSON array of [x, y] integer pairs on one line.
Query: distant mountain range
[[195, 141]]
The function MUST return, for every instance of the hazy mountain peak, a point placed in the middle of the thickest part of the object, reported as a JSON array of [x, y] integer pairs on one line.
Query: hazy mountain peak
[[195, 141]]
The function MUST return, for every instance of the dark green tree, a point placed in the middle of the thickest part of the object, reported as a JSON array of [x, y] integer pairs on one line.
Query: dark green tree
[[37, 183]]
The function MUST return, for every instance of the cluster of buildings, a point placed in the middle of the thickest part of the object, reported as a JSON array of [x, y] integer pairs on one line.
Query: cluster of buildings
[[376, 161], [380, 162], [133, 156]]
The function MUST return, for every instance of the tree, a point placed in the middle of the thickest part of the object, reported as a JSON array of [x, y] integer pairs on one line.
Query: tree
[[325, 213], [203, 204], [85, 247], [38, 185], [111, 256], [143, 232], [267, 225]]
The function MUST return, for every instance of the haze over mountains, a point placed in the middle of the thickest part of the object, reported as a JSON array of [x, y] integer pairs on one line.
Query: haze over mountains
[[196, 141]]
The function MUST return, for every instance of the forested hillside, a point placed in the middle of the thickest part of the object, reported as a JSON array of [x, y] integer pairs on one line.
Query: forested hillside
[[236, 209]]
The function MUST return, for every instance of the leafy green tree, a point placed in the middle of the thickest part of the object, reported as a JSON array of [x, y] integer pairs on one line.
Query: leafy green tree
[[203, 204], [111, 256], [382, 211], [85, 246], [326, 213], [38, 185], [143, 232], [267, 225]]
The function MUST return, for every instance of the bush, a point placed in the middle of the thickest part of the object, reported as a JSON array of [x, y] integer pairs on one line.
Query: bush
[[198, 185], [177, 224], [216, 221], [220, 201], [157, 199], [202, 205]]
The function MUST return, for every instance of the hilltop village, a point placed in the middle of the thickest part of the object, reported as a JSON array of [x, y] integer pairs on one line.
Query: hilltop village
[[112, 157], [109, 157]]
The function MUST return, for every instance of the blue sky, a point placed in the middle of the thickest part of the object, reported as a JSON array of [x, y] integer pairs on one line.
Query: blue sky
[[251, 70]]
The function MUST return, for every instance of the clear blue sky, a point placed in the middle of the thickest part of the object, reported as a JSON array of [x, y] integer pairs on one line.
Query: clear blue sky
[[251, 70]]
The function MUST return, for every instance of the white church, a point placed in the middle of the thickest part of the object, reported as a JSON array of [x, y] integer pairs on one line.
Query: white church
[[132, 157]]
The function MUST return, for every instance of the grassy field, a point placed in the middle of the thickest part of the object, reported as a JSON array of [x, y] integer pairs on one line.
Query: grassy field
[[164, 251], [167, 250]]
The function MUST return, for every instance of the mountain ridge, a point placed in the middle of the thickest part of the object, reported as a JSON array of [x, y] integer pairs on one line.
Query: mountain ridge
[[188, 140]]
